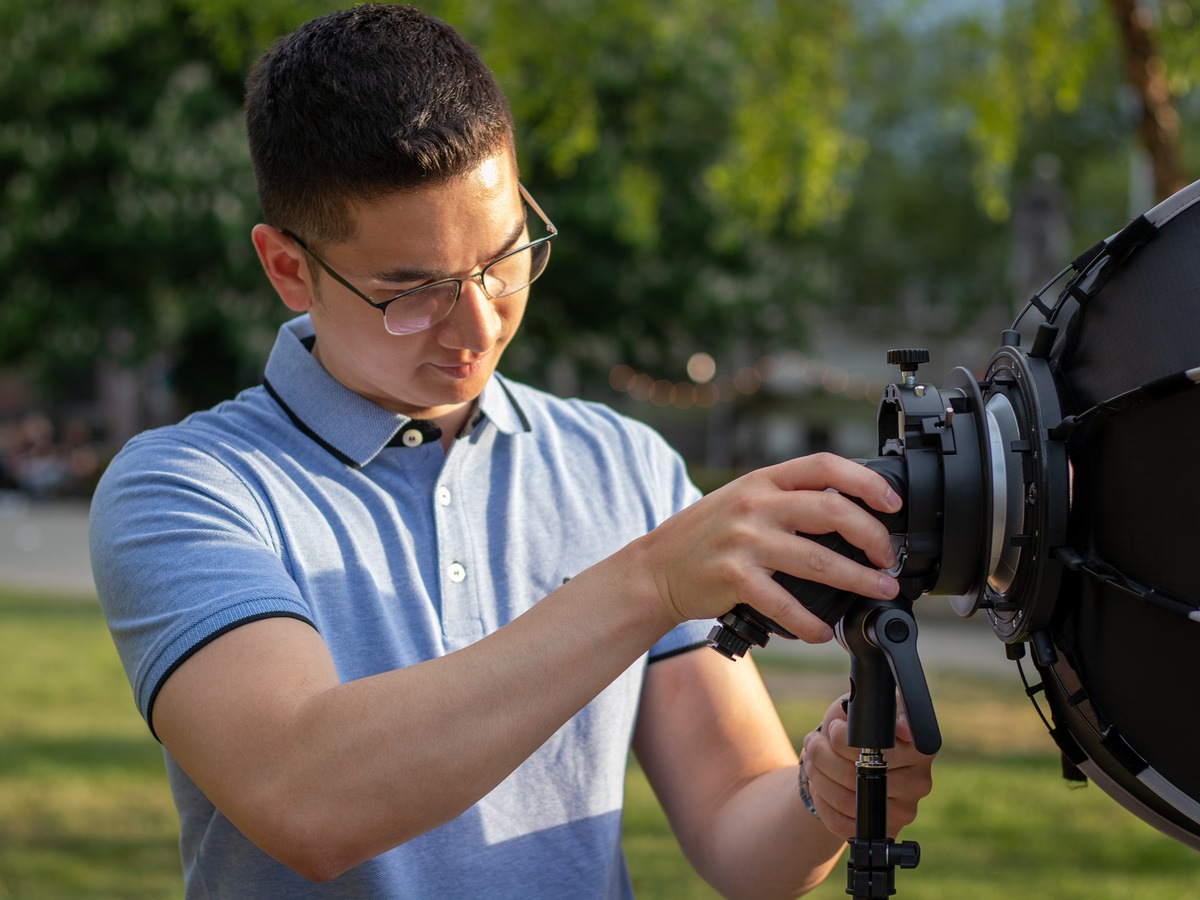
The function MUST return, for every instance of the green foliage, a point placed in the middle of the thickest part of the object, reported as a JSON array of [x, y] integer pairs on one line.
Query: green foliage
[[681, 150], [1018, 64], [717, 170], [238, 31], [1179, 20], [128, 189]]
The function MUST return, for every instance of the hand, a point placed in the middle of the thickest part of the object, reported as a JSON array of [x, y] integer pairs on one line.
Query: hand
[[829, 767], [723, 550]]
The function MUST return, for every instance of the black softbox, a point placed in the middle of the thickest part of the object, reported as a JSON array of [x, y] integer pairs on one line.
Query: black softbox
[[1126, 626]]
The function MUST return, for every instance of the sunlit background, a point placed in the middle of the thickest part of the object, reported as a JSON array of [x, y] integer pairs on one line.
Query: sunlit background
[[756, 201]]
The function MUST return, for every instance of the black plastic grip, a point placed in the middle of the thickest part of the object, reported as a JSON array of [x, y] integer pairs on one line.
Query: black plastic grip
[[827, 603], [744, 627]]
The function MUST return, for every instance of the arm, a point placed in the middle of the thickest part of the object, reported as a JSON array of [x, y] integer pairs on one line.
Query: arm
[[323, 775], [725, 772]]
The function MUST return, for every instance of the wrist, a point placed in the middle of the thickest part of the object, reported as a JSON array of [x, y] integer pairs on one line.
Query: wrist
[[649, 583], [622, 594]]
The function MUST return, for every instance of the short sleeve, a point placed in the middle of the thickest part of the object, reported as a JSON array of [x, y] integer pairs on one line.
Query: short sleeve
[[680, 639], [182, 552]]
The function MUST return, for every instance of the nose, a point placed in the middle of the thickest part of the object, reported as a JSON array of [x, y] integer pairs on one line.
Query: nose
[[474, 324]]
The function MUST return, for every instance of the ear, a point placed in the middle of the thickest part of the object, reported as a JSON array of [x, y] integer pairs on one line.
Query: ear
[[284, 262]]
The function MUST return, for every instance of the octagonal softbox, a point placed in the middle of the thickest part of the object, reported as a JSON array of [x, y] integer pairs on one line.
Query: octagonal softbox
[[1121, 681]]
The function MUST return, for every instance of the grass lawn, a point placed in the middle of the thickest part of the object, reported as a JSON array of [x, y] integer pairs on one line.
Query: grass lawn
[[1001, 822], [85, 811], [84, 806]]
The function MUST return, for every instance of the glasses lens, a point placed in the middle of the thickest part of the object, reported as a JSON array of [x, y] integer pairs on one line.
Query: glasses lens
[[518, 270], [420, 309]]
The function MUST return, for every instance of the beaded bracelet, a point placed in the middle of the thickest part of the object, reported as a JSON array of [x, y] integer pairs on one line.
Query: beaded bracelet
[[805, 796]]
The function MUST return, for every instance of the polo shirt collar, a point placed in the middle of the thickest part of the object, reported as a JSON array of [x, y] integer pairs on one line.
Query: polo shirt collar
[[347, 424]]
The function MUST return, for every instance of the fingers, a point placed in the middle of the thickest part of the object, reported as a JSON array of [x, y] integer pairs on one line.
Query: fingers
[[817, 491], [821, 529], [832, 480], [832, 776], [726, 548], [832, 513], [906, 786], [821, 471], [831, 779], [835, 804], [774, 602], [903, 729]]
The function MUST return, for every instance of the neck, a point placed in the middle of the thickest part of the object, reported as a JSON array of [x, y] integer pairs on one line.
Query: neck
[[452, 423]]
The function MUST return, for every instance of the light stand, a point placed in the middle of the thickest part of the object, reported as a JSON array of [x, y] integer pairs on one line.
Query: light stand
[[955, 473], [881, 637]]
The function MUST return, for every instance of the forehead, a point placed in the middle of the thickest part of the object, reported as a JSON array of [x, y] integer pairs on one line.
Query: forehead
[[469, 206]]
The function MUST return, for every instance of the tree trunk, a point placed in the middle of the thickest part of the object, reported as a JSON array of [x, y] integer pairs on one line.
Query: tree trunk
[[1158, 125]]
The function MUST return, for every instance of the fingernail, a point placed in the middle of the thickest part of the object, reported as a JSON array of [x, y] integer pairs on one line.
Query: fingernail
[[888, 587], [892, 499]]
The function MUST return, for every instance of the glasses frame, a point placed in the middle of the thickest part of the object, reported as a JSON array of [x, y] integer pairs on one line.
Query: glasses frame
[[382, 305]]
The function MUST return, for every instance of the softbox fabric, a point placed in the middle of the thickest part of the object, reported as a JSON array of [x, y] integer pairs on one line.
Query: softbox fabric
[[1123, 689]]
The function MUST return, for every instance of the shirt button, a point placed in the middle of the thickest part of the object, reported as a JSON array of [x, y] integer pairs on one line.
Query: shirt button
[[412, 437], [443, 495], [457, 573]]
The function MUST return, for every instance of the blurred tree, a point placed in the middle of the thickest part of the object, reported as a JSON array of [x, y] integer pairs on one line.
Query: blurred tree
[[1146, 73], [715, 169], [682, 147], [127, 187], [954, 135], [718, 171]]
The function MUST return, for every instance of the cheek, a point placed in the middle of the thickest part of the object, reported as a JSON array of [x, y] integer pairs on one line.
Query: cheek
[[356, 334], [512, 311]]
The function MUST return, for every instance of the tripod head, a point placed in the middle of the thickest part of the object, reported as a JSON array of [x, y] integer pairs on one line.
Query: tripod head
[[881, 637]]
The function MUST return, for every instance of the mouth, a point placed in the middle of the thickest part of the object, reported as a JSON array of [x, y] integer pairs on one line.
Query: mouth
[[461, 369]]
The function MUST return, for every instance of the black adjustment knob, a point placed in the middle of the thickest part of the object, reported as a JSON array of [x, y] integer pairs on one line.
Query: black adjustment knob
[[907, 359]]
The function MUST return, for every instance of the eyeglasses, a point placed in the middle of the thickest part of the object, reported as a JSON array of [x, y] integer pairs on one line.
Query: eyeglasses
[[419, 308]]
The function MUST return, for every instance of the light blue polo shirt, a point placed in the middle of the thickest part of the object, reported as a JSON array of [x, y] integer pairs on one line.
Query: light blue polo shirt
[[301, 498]]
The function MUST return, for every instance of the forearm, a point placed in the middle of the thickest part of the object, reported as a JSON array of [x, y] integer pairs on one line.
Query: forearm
[[725, 771], [766, 844], [341, 772]]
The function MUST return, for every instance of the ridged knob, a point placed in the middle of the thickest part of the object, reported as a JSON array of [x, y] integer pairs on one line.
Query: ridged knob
[[907, 359]]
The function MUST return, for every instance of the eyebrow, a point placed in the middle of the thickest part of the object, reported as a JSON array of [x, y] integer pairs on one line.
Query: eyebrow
[[410, 275]]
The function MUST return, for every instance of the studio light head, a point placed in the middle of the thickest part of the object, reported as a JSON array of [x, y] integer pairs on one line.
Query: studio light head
[[1055, 490], [985, 489]]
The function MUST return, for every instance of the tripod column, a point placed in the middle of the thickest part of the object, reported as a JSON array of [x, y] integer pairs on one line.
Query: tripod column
[[871, 786], [871, 867]]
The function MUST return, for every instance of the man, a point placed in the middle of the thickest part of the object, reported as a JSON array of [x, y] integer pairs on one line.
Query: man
[[396, 619]]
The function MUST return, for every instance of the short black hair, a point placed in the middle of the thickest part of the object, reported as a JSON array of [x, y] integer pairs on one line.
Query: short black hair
[[363, 103]]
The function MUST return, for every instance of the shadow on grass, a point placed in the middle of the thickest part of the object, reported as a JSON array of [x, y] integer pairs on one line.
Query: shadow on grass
[[92, 865], [90, 755], [35, 606]]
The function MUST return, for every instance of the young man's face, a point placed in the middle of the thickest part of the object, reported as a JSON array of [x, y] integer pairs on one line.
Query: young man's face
[[444, 231]]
